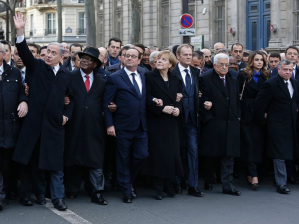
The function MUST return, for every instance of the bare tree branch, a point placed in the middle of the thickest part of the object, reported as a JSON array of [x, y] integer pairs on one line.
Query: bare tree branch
[[7, 5]]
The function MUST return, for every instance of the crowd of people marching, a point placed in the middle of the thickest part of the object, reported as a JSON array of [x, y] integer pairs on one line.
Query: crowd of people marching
[[106, 115]]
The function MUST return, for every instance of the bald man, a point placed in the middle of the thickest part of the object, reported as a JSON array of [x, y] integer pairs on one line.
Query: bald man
[[208, 59], [103, 57], [218, 46]]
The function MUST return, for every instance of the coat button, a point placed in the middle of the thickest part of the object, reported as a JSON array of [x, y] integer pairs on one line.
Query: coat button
[[86, 107], [227, 98]]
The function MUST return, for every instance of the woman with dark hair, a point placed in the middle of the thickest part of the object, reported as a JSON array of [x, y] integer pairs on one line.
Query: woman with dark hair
[[163, 109], [252, 132]]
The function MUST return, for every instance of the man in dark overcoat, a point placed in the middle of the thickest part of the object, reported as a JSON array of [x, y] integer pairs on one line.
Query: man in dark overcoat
[[13, 106], [189, 78], [41, 140], [85, 133], [220, 123], [276, 105]]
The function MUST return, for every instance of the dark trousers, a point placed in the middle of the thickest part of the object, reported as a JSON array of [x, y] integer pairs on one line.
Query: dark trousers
[[73, 178], [280, 172], [129, 164], [252, 169], [192, 152], [227, 169], [9, 170], [160, 183]]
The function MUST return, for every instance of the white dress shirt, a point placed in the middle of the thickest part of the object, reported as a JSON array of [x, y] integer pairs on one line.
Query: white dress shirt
[[90, 77], [1, 69], [23, 72], [294, 71], [137, 78], [183, 73], [290, 87]]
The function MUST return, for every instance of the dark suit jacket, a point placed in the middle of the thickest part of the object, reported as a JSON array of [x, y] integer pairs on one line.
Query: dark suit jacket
[[242, 66], [274, 99], [45, 114], [221, 126], [68, 65], [85, 132], [130, 113], [102, 73]]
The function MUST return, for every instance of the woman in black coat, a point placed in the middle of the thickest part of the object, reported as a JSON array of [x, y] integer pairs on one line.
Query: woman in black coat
[[252, 132], [162, 88]]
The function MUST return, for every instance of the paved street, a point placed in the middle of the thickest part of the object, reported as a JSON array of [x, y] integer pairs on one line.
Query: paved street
[[263, 206]]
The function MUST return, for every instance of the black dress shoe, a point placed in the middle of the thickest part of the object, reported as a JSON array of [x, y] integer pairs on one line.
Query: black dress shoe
[[133, 190], [233, 192], [41, 200], [26, 202], [71, 195], [293, 180], [169, 191], [208, 186], [282, 189], [60, 205], [194, 191], [178, 189], [255, 186], [127, 198], [98, 198], [159, 195]]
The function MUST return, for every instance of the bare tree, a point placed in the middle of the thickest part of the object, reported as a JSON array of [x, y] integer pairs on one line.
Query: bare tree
[[59, 11], [135, 21], [12, 8], [90, 23]]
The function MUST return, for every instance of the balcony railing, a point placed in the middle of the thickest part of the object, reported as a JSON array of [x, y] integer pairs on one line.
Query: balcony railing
[[81, 31], [50, 31]]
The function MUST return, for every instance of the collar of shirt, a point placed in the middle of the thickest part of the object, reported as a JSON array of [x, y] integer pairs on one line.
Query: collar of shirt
[[73, 66], [9, 63], [222, 77], [239, 62], [1, 69], [83, 75], [23, 70], [56, 68], [181, 68], [294, 67], [129, 72]]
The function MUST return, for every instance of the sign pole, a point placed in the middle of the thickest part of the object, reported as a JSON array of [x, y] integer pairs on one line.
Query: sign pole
[[186, 39]]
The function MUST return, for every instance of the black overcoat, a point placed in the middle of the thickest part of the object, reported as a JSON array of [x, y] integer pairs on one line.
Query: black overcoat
[[220, 125], [252, 131], [12, 94], [275, 100], [85, 133], [45, 113], [164, 159]]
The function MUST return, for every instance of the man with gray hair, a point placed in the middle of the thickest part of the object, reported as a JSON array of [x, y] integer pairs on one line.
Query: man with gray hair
[[41, 141], [153, 59], [276, 105], [220, 110]]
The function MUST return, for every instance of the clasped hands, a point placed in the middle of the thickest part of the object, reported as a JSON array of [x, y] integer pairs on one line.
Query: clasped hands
[[171, 110]]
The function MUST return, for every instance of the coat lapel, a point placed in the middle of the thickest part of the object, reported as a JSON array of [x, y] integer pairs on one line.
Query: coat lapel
[[217, 82], [125, 77], [294, 84], [283, 86], [94, 83], [79, 80], [160, 82]]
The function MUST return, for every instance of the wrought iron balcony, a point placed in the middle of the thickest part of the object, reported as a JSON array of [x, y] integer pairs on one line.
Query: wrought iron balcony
[[44, 2], [50, 32]]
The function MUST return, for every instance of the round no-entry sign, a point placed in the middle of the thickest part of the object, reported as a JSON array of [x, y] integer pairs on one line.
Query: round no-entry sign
[[186, 20]]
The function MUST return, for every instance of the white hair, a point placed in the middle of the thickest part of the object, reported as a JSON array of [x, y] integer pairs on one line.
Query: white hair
[[220, 56], [153, 55], [3, 48], [61, 47]]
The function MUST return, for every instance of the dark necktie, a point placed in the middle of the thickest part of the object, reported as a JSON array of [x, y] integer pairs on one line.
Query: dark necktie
[[87, 83], [188, 81], [287, 84], [223, 80], [135, 84], [23, 77]]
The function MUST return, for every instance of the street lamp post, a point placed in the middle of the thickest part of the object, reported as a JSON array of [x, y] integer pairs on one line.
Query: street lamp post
[[186, 39]]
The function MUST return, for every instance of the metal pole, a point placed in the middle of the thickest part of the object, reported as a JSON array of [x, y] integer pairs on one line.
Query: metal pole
[[185, 10], [7, 21]]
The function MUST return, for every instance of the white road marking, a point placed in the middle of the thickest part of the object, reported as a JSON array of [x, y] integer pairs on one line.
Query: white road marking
[[68, 215]]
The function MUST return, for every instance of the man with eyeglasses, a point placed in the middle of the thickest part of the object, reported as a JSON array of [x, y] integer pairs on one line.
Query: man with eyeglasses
[[126, 88], [221, 128], [40, 145], [114, 46], [85, 133]]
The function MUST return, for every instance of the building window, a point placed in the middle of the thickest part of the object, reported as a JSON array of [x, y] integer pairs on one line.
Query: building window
[[165, 23], [82, 24], [51, 23], [101, 29], [220, 23], [117, 20], [191, 11], [296, 21], [101, 4]]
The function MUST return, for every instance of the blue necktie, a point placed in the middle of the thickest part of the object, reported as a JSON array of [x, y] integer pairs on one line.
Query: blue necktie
[[188, 81], [23, 78], [135, 84]]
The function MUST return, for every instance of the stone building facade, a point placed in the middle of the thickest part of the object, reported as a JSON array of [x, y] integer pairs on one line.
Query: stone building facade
[[229, 21]]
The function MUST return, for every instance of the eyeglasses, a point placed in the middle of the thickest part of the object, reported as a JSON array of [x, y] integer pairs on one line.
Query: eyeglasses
[[87, 59], [222, 65], [132, 56]]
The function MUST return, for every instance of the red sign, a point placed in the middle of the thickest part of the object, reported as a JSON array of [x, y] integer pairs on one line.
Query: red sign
[[186, 20]]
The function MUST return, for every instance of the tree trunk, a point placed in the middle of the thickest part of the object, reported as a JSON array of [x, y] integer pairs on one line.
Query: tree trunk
[[59, 11], [90, 23], [13, 31], [135, 22]]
